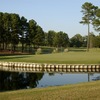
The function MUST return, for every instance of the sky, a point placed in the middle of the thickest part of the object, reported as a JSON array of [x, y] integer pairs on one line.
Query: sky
[[57, 15]]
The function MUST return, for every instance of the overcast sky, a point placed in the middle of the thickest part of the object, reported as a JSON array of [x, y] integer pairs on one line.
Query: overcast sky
[[57, 15]]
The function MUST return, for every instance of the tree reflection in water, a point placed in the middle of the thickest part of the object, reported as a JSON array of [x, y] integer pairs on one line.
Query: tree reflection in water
[[15, 80]]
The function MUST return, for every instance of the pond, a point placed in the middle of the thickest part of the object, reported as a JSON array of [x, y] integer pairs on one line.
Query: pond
[[15, 80], [66, 78]]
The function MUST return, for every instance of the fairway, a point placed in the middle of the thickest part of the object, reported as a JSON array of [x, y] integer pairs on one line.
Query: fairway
[[91, 57]]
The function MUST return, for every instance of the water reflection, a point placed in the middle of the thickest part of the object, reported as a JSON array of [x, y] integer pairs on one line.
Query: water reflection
[[14, 80], [96, 78]]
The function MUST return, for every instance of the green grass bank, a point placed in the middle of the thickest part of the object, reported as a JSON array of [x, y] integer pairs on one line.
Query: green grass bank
[[82, 91], [71, 57]]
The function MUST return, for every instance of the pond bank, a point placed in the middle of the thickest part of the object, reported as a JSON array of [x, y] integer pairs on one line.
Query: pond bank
[[82, 91]]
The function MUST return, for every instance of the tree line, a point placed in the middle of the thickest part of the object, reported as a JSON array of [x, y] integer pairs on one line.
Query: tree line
[[16, 30], [81, 41]]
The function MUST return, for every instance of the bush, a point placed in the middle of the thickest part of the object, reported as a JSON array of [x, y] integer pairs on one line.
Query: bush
[[55, 50], [39, 51], [66, 50]]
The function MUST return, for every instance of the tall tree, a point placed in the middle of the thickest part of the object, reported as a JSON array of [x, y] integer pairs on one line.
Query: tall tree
[[39, 36], [50, 37], [65, 40], [88, 12], [92, 37], [6, 27], [1, 30], [23, 31], [31, 33], [15, 27], [96, 21]]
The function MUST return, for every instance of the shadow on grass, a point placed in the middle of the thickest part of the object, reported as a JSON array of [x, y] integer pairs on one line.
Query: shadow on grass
[[13, 57], [77, 50], [13, 54]]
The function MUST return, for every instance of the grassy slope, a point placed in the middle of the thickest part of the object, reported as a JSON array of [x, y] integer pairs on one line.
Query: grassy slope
[[83, 91], [92, 57]]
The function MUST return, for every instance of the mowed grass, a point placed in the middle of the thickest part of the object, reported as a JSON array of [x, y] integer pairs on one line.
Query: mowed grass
[[82, 91], [71, 57]]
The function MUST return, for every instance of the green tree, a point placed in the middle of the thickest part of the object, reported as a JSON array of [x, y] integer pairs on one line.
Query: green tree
[[23, 31], [31, 33], [6, 32], [65, 40], [84, 41], [39, 36], [15, 27], [96, 24], [92, 38], [96, 41], [96, 21], [61, 39], [76, 41], [88, 10], [50, 37], [1, 30]]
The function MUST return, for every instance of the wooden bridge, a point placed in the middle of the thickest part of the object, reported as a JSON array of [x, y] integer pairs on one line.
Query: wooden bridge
[[43, 67]]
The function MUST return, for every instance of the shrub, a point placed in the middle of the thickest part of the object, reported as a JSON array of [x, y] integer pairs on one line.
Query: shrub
[[39, 51], [66, 50], [55, 50]]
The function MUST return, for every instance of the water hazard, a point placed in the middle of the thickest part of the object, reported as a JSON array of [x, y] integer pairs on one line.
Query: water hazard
[[16, 80]]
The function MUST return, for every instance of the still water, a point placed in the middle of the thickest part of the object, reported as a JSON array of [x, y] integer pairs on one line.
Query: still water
[[62, 79], [15, 81]]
